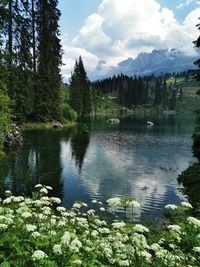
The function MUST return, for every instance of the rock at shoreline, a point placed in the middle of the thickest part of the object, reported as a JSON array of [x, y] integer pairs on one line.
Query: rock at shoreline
[[14, 138], [57, 125], [113, 121]]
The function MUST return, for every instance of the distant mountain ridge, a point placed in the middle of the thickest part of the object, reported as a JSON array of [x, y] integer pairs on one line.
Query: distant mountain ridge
[[156, 62]]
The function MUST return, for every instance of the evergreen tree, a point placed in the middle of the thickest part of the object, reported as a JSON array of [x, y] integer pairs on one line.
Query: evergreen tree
[[80, 92], [49, 61], [22, 85]]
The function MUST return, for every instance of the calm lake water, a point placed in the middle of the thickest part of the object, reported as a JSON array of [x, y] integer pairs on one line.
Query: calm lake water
[[98, 160]]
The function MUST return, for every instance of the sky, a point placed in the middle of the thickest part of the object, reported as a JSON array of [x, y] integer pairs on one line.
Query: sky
[[106, 32]]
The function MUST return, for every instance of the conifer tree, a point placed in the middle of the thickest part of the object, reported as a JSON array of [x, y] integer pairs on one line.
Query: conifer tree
[[49, 60], [80, 93]]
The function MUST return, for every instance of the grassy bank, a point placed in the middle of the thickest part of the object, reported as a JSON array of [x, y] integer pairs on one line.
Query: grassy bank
[[45, 125], [38, 232]]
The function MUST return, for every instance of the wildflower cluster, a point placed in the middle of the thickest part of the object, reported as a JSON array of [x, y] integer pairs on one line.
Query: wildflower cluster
[[39, 232]]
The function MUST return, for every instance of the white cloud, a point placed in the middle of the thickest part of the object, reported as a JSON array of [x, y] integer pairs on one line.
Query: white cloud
[[123, 29], [187, 3]]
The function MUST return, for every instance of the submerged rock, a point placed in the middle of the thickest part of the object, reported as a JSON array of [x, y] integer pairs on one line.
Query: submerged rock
[[149, 123]]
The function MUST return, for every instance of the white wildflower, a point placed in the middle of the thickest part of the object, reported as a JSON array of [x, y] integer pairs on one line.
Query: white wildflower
[[57, 249], [196, 249], [65, 239], [186, 205], [124, 263], [3, 226], [195, 222], [75, 245], [28, 201], [134, 204], [155, 247], [140, 228], [113, 202], [56, 200], [44, 191], [171, 207], [49, 187], [118, 225], [77, 205], [46, 210], [8, 192], [102, 209], [84, 204], [91, 212], [35, 234], [175, 228], [38, 203], [61, 223], [2, 217], [45, 198], [26, 214], [8, 200], [104, 230], [77, 262], [94, 233], [61, 209], [94, 201], [31, 227], [146, 255], [39, 255], [38, 186]]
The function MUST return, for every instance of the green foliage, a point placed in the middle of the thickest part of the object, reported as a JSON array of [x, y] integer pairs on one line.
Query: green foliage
[[38, 232], [190, 178], [5, 115], [196, 135], [67, 113]]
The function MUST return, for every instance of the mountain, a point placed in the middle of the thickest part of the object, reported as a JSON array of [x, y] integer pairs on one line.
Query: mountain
[[156, 62]]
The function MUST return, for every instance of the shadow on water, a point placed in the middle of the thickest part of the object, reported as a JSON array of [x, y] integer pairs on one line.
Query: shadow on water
[[80, 139], [38, 161]]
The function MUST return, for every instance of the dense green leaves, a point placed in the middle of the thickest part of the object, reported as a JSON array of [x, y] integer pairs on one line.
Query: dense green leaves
[[5, 114]]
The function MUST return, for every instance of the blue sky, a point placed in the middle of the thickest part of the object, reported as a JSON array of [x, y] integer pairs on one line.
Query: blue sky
[[106, 32], [74, 12]]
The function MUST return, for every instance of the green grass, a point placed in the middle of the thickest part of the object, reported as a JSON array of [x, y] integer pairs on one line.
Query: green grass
[[45, 125]]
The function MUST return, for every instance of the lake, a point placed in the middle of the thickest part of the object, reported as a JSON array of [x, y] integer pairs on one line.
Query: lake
[[98, 160]]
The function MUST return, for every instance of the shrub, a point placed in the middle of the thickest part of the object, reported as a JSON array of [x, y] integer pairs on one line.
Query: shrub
[[67, 113]]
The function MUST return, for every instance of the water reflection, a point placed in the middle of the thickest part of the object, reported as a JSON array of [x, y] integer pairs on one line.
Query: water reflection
[[37, 162], [80, 138], [98, 160]]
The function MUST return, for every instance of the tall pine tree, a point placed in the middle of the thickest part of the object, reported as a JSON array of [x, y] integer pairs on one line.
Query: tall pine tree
[[47, 104], [80, 93]]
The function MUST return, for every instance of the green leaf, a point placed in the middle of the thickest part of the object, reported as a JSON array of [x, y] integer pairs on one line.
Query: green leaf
[[5, 264]]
